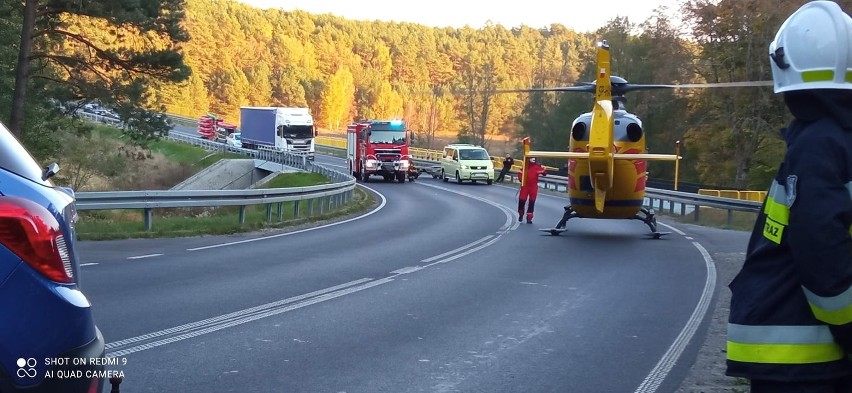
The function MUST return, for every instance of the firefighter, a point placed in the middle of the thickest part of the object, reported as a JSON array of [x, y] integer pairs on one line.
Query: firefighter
[[529, 188], [790, 323]]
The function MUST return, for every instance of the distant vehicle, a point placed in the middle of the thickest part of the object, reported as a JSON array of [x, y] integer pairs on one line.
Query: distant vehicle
[[212, 127], [378, 147], [234, 140], [279, 129], [45, 315], [467, 162]]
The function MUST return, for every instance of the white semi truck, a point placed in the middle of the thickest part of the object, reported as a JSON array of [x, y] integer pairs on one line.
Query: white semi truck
[[279, 129]]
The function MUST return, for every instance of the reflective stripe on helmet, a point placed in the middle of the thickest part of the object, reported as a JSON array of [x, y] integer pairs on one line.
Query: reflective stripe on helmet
[[782, 344]]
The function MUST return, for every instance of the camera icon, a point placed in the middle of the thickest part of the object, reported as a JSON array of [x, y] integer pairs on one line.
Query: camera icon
[[26, 368]]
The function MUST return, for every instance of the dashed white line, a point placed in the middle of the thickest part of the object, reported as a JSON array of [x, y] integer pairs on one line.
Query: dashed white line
[[88, 264], [144, 256]]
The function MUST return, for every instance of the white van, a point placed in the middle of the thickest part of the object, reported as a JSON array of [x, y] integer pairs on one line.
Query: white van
[[467, 162]]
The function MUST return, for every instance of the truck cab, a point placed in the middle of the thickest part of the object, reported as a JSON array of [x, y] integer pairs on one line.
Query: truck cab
[[378, 148]]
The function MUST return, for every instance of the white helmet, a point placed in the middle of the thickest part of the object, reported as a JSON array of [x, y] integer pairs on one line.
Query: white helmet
[[811, 49]]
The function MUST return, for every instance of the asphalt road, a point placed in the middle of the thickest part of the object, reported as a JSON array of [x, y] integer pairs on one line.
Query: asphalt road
[[439, 289]]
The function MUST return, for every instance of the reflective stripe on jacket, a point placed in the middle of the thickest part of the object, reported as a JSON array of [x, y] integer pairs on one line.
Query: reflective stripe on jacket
[[791, 304]]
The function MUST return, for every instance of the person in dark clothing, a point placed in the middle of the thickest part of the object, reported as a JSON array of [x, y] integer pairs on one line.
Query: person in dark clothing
[[507, 166], [790, 323]]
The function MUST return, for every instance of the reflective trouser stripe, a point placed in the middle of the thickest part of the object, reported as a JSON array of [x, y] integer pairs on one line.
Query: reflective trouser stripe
[[784, 353], [782, 344]]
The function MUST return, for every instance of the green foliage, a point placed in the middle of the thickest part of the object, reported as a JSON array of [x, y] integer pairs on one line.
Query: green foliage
[[442, 81], [296, 179]]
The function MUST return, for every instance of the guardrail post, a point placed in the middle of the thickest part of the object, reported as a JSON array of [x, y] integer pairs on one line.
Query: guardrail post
[[296, 209], [697, 208], [242, 215], [682, 209], [147, 218], [268, 213], [310, 207], [730, 217], [280, 211]]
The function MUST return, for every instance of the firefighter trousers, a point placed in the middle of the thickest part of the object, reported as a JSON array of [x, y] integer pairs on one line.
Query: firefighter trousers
[[842, 385]]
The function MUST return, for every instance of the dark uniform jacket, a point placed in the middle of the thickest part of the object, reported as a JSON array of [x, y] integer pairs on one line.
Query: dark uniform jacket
[[791, 304]]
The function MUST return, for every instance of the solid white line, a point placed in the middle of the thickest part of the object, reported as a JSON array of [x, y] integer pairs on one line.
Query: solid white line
[[510, 214], [406, 270], [472, 250], [384, 202], [235, 314], [678, 231], [144, 256], [667, 362], [88, 264], [469, 245], [246, 319]]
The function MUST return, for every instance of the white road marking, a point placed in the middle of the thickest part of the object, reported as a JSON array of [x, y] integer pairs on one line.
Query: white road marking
[[144, 256], [406, 270], [88, 264], [381, 205], [210, 325], [664, 366], [675, 230], [510, 223], [466, 246]]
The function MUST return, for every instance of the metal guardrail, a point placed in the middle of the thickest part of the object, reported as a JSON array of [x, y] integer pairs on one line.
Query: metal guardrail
[[319, 199], [655, 198]]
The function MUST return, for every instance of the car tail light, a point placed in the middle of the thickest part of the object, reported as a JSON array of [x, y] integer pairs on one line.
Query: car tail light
[[31, 232]]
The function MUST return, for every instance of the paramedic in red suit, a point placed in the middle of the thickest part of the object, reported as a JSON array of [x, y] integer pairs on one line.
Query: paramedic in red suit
[[529, 188]]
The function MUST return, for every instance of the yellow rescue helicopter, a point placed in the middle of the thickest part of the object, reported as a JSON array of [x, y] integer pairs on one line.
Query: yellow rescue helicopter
[[607, 157]]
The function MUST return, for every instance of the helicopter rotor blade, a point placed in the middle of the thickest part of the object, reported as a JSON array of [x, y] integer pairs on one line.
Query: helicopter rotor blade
[[721, 84], [585, 88]]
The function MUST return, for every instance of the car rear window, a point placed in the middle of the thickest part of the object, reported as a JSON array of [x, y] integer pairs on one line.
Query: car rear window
[[14, 158]]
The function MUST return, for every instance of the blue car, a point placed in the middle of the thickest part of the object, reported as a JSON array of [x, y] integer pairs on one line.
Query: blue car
[[48, 337]]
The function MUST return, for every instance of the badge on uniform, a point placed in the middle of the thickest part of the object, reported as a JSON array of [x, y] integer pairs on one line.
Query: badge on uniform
[[791, 190]]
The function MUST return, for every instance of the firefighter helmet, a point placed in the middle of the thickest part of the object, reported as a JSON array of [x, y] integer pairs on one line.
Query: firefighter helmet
[[812, 49]]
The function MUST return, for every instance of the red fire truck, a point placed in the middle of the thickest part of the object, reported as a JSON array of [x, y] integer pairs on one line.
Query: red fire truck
[[378, 147]]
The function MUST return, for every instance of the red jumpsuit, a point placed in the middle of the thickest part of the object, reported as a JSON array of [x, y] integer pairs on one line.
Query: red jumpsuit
[[529, 189]]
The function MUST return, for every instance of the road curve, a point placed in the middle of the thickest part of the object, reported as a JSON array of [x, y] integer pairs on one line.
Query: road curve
[[440, 290]]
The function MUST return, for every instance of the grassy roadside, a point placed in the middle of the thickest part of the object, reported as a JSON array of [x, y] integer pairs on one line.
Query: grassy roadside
[[126, 224], [172, 162]]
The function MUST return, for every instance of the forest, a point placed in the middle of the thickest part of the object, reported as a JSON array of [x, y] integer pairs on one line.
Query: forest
[[200, 56]]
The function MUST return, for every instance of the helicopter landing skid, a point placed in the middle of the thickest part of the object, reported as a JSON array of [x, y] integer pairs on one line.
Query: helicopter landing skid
[[560, 226], [657, 235], [553, 231], [651, 221]]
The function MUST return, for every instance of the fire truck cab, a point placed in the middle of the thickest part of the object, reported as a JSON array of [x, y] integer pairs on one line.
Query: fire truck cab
[[380, 148]]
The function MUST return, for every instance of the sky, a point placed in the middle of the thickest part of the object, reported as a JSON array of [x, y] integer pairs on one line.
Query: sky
[[579, 15]]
